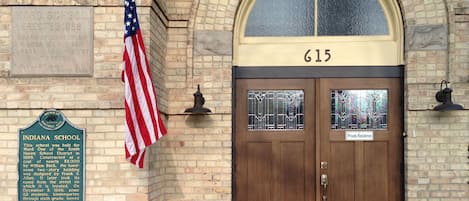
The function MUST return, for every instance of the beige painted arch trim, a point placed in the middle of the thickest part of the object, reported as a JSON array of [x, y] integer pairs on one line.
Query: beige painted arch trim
[[386, 50]]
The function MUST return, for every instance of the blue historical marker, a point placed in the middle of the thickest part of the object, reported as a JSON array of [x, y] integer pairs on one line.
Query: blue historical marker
[[51, 159]]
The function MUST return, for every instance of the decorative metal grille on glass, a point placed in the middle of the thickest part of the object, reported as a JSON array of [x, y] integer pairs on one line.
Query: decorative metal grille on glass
[[275, 110], [359, 109]]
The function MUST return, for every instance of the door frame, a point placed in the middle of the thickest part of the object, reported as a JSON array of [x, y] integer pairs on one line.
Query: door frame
[[263, 72]]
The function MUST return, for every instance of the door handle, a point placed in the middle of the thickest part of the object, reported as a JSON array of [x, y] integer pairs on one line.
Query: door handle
[[324, 184], [324, 181]]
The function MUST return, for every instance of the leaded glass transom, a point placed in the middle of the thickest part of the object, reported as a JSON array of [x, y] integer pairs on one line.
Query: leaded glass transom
[[359, 109], [275, 110]]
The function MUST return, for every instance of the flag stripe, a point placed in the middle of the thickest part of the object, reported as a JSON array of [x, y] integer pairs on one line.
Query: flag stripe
[[134, 100], [140, 134], [141, 106], [139, 103], [134, 141], [152, 91], [130, 140], [143, 124], [140, 159], [146, 84]]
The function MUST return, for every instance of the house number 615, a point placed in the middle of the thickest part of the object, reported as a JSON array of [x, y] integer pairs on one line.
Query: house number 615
[[319, 54]]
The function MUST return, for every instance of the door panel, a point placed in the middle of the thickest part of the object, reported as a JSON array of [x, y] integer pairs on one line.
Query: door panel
[[259, 169], [375, 166], [292, 168], [341, 168], [361, 170], [274, 164]]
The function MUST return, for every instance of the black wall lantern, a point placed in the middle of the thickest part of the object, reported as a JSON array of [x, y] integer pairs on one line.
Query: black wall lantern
[[444, 97], [199, 101]]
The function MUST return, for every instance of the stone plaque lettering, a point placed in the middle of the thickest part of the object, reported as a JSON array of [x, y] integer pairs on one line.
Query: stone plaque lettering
[[52, 41], [51, 159]]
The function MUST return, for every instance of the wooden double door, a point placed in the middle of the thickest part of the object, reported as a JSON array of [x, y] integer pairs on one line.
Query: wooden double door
[[318, 139]]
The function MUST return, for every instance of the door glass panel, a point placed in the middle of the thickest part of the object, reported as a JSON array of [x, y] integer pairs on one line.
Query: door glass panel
[[359, 109], [281, 18], [346, 17], [275, 110]]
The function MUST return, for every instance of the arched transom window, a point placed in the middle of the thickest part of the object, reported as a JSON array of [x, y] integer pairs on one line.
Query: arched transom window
[[318, 33], [316, 17]]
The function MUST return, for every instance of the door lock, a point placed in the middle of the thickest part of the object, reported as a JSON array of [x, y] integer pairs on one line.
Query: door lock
[[323, 165], [324, 184]]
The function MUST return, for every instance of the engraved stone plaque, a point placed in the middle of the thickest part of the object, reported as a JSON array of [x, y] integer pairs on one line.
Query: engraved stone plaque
[[51, 159], [428, 37], [52, 41], [213, 43]]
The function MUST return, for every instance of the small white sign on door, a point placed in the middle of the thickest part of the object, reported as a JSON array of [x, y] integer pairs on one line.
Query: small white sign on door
[[359, 135]]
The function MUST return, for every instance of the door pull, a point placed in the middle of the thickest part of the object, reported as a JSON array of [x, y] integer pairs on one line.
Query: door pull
[[324, 184]]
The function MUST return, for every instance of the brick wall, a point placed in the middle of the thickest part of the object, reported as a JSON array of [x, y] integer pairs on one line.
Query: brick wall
[[94, 103], [159, 37], [436, 146], [436, 156], [193, 162], [5, 42]]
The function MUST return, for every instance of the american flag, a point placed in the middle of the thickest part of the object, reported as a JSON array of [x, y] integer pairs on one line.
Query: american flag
[[143, 123]]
